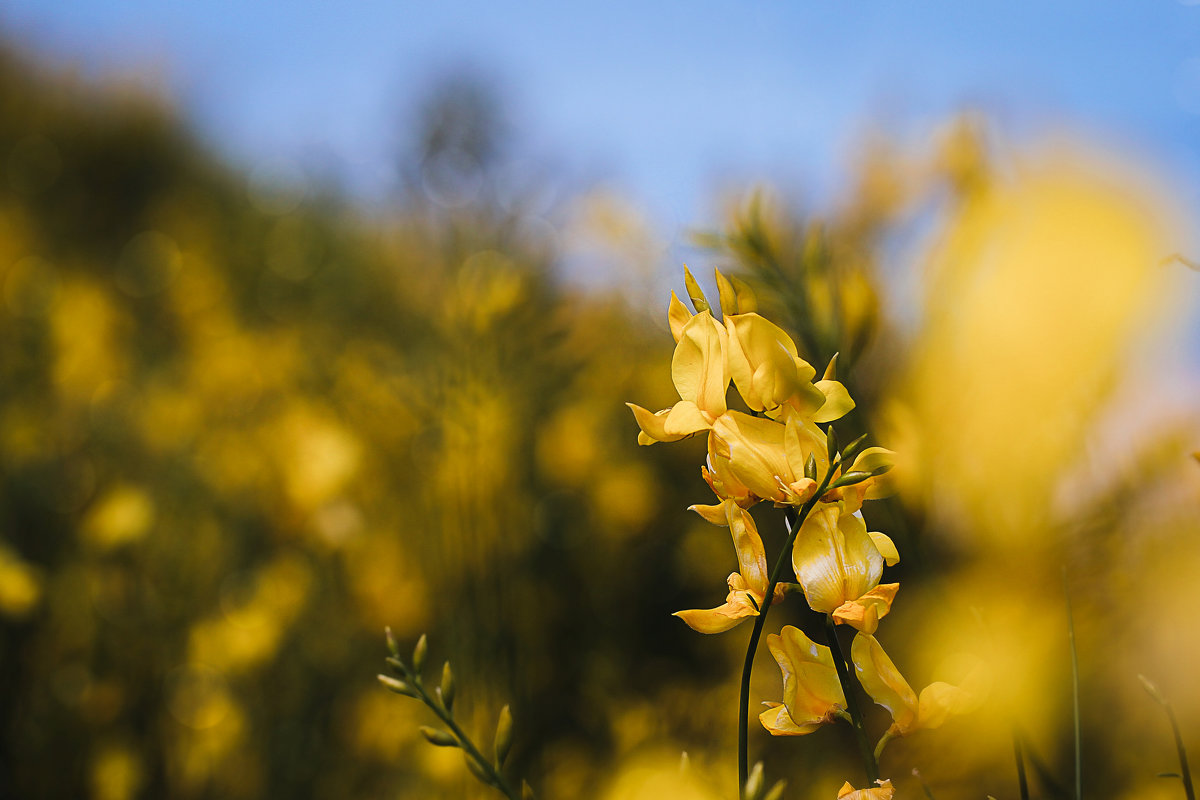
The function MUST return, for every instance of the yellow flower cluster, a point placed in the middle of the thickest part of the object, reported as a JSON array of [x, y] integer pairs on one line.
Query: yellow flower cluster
[[775, 451]]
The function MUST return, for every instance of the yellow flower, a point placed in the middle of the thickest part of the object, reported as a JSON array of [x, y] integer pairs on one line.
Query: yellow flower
[[747, 586], [767, 369], [838, 564], [767, 456], [883, 792], [872, 488], [887, 687], [812, 694], [700, 372]]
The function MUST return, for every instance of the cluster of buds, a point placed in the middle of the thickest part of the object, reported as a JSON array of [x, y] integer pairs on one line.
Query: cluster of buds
[[775, 452]]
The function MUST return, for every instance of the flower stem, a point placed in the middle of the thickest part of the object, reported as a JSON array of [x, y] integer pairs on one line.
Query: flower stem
[[843, 673], [793, 520]]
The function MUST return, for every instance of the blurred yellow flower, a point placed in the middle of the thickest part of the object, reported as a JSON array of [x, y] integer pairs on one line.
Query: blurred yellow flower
[[812, 694], [886, 686], [747, 586], [839, 564]]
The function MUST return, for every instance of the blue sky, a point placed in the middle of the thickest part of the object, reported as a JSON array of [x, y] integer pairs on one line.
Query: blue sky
[[665, 101]]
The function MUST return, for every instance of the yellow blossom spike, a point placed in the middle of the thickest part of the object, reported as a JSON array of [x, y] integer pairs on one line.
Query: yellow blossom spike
[[728, 297], [694, 292], [677, 316]]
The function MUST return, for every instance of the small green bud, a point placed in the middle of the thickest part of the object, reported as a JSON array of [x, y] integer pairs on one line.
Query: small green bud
[[438, 737], [504, 735], [852, 449], [393, 648], [1152, 690], [776, 791], [810, 467], [831, 443], [754, 783], [693, 289], [419, 652], [399, 687], [447, 687], [397, 665], [849, 479]]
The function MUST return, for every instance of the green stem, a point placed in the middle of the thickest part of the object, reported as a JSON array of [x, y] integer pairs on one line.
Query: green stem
[[1075, 691], [496, 780], [794, 521], [843, 673], [1018, 752], [1185, 773]]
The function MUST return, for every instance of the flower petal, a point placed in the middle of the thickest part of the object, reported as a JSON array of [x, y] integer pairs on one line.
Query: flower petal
[[677, 316], [812, 692], [698, 366], [778, 722], [756, 454], [886, 548], [838, 402], [883, 682], [864, 613]]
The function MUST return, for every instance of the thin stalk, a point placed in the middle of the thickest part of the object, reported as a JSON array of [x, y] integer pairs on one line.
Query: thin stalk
[[1185, 773], [1075, 691], [495, 779], [793, 521], [1019, 754], [843, 673]]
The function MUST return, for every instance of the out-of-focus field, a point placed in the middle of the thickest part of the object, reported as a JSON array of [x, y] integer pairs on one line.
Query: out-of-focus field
[[244, 427]]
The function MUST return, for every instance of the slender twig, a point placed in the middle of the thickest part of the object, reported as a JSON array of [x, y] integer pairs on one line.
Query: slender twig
[[1019, 754], [794, 521], [1075, 691], [1184, 772], [843, 673], [435, 704]]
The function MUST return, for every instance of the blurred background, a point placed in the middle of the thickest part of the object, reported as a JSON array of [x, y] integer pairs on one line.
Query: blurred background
[[321, 318]]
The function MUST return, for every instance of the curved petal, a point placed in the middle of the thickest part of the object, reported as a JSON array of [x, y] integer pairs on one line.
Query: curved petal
[[812, 692], [819, 561], [653, 425], [752, 558], [762, 361], [756, 455], [802, 438], [886, 548], [778, 722], [883, 791], [698, 366], [864, 613], [940, 701], [720, 619], [683, 419], [838, 402], [863, 563], [883, 682], [677, 316]]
